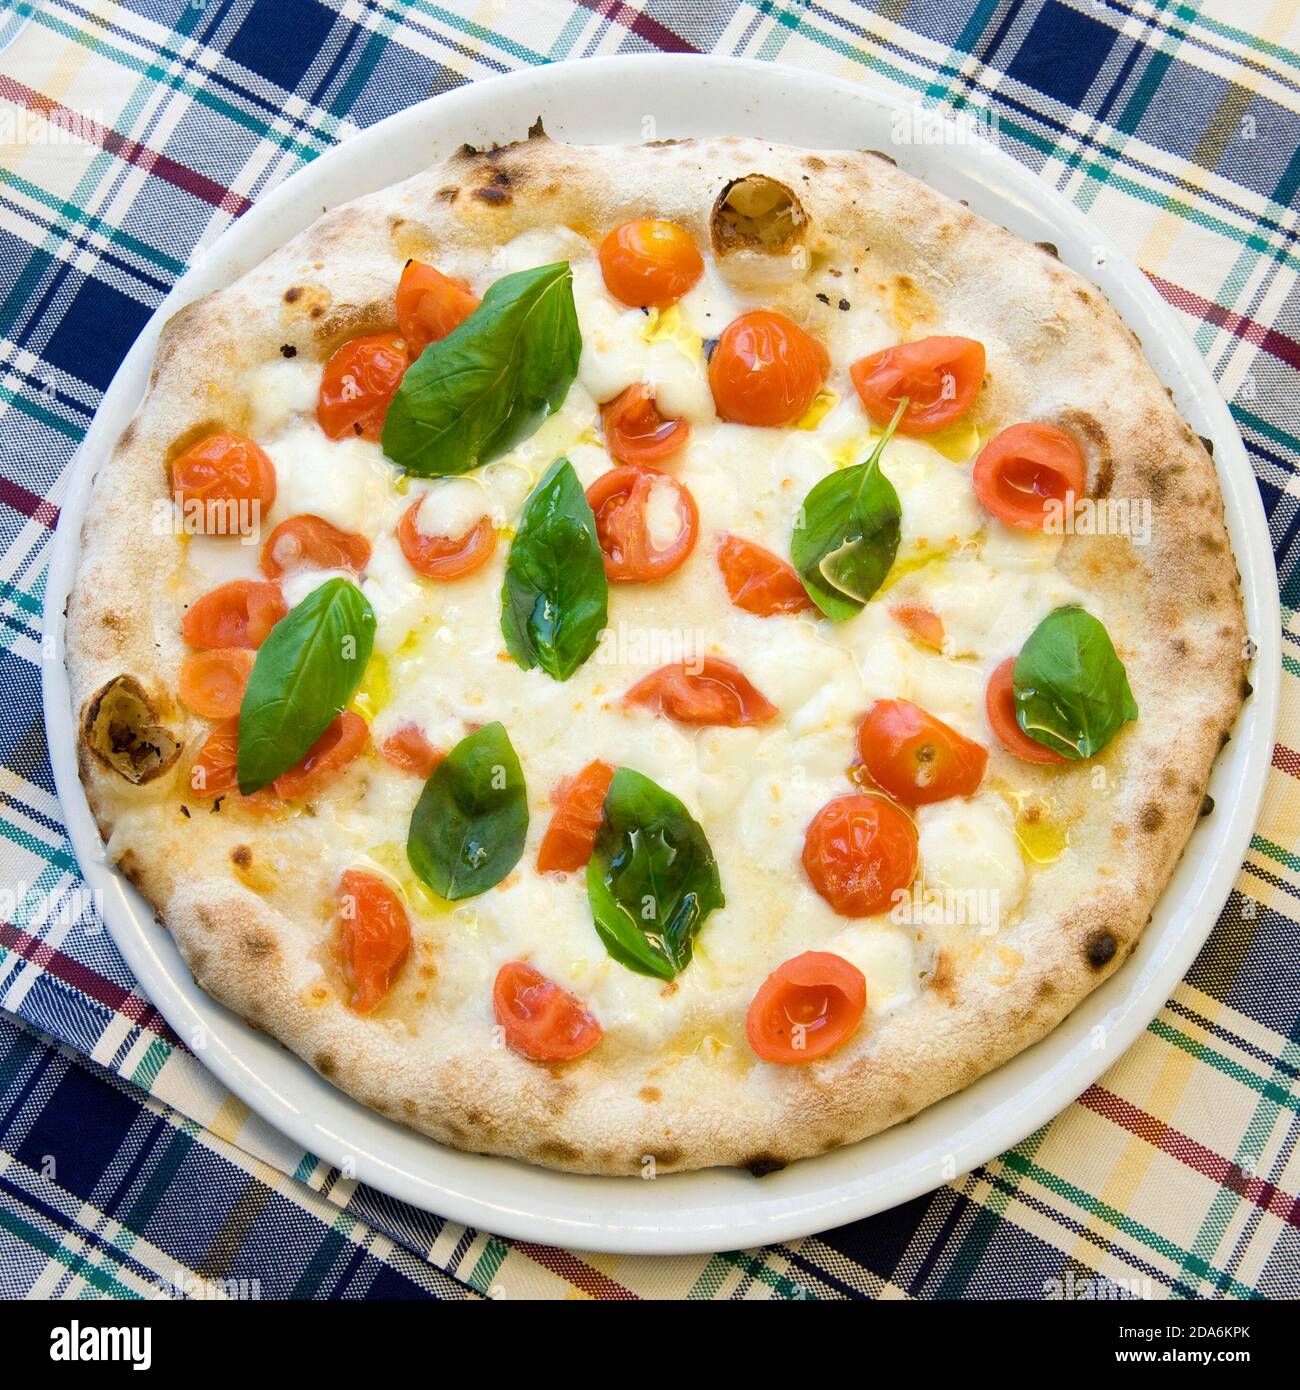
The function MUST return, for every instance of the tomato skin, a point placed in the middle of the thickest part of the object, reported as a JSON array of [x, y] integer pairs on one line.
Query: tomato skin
[[357, 385], [923, 623], [579, 810], [648, 263], [635, 431], [212, 683], [309, 540], [917, 758], [221, 470], [325, 759], [429, 306], [541, 1021], [765, 370], [619, 499], [238, 614], [410, 751], [806, 1008], [858, 852], [1023, 469], [445, 557], [759, 581], [214, 771], [1000, 706], [374, 937], [940, 376], [714, 693]]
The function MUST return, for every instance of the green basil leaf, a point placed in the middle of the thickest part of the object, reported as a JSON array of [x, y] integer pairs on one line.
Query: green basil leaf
[[467, 829], [554, 602], [308, 668], [1072, 692], [846, 538], [491, 381], [652, 878]]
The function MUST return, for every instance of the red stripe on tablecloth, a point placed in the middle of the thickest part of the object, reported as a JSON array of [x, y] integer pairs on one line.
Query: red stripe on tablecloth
[[1278, 344], [1196, 1156], [1286, 759], [576, 1271], [29, 503], [81, 977], [640, 24], [150, 160]]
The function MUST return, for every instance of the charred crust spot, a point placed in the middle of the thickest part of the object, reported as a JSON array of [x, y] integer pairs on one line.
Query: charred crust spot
[[1169, 777], [121, 727], [1045, 989], [317, 310], [537, 131], [448, 194], [325, 1064], [1225, 738], [257, 944], [1207, 805], [288, 350], [762, 1164], [1179, 645], [1048, 249], [1151, 817], [1247, 690], [241, 857], [1100, 949], [293, 294], [557, 1151], [815, 163], [1206, 444], [666, 1158], [880, 154], [650, 1094], [493, 195]]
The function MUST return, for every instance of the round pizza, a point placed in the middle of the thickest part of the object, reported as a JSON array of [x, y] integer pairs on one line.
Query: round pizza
[[668, 655]]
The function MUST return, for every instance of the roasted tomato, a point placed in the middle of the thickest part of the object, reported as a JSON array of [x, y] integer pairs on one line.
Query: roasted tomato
[[939, 376], [650, 264], [429, 306], [312, 542], [374, 937], [579, 810], [709, 691], [409, 750], [215, 770], [213, 682], [238, 614], [621, 501], [917, 758], [541, 1021], [758, 581], [1028, 471], [858, 852], [635, 431], [231, 477], [358, 383], [923, 623], [806, 1008], [765, 370], [1000, 706], [445, 557], [325, 759]]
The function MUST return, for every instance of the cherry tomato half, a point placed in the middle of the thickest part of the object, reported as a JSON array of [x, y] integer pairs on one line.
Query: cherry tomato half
[[940, 377], [1026, 468], [917, 758], [710, 691], [238, 614], [357, 385], [374, 937], [620, 500], [312, 542], [648, 263], [214, 773], [758, 581], [635, 431], [409, 750], [212, 682], [429, 306], [1000, 706], [923, 623], [231, 477], [541, 1021], [345, 737], [765, 370], [806, 1008], [445, 557], [579, 810], [858, 852]]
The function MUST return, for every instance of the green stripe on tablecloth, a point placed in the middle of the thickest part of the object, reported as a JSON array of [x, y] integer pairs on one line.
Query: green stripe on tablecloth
[[485, 1268], [1276, 852], [1202, 1052]]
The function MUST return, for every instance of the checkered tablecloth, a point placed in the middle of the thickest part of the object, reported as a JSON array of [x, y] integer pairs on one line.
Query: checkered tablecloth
[[130, 133]]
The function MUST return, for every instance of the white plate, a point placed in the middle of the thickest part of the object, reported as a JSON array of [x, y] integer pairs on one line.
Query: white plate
[[607, 101]]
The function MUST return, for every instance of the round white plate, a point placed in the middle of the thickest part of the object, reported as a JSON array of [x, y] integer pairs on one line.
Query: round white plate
[[616, 100]]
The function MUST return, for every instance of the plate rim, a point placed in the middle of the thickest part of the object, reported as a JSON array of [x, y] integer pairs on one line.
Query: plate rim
[[742, 1214]]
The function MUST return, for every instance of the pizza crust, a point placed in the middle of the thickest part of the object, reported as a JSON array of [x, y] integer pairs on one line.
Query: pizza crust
[[1057, 352]]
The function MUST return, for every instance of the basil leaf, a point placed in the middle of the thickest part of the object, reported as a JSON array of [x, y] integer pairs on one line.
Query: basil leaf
[[652, 878], [467, 829], [1072, 692], [554, 602], [308, 668], [847, 534], [491, 381]]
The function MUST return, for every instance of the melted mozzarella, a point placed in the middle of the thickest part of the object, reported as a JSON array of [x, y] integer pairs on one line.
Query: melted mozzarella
[[453, 507], [968, 847]]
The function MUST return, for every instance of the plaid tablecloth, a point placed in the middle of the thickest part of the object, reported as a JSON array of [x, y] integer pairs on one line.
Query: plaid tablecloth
[[130, 133]]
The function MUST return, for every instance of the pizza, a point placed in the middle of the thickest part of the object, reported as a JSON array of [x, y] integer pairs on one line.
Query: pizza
[[670, 655]]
